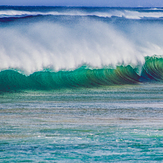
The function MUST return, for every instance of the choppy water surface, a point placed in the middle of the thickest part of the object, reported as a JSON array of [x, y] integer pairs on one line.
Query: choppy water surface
[[116, 124]]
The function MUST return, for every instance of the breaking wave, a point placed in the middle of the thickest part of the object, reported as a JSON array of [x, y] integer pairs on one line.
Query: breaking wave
[[85, 77], [71, 47]]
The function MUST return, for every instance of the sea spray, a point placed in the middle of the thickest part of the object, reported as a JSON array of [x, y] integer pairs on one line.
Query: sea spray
[[58, 46]]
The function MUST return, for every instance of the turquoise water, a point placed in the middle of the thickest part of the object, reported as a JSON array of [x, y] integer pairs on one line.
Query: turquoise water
[[106, 124]]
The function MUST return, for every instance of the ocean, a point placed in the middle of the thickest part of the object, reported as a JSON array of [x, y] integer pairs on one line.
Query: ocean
[[81, 84]]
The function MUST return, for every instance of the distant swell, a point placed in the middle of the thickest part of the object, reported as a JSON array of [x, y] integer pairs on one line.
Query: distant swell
[[8, 19], [82, 77], [11, 14]]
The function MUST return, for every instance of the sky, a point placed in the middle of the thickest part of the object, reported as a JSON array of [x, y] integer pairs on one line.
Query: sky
[[100, 3]]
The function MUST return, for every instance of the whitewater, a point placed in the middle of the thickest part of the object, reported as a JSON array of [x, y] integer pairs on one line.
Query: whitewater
[[81, 84]]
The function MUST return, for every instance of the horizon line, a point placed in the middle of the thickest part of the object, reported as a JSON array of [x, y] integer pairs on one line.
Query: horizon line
[[78, 6]]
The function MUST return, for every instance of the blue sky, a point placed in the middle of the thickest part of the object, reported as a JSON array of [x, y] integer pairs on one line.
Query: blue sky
[[109, 3]]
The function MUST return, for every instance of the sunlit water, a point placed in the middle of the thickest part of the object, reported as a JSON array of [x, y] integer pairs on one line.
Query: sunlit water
[[107, 124]]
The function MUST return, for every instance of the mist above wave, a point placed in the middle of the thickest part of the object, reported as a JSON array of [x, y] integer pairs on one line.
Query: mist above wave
[[66, 46]]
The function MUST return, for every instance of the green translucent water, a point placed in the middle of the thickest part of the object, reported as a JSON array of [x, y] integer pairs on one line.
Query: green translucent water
[[107, 124]]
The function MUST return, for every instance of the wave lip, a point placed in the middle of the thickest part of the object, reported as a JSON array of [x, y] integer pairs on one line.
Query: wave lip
[[153, 69]]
